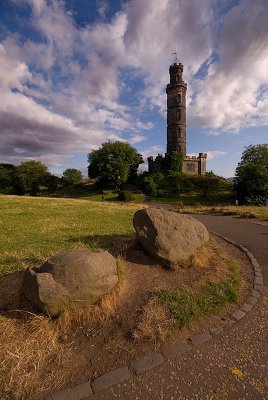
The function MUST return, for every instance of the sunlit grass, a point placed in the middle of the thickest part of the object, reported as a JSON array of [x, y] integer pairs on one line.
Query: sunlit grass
[[187, 305], [32, 229], [243, 211]]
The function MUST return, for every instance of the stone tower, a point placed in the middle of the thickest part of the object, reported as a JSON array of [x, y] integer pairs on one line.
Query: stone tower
[[176, 110], [176, 126]]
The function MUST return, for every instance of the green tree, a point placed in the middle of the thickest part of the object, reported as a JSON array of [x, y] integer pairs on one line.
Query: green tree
[[52, 182], [155, 184], [113, 163], [31, 175], [72, 177], [172, 167], [251, 175], [209, 183], [7, 175]]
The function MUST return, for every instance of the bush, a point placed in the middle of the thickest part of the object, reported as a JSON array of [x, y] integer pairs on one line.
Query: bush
[[125, 196]]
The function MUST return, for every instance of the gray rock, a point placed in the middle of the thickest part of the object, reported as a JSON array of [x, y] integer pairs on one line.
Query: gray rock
[[73, 278], [168, 236]]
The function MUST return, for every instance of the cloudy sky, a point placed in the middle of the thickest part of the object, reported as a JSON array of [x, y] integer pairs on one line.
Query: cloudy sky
[[76, 73]]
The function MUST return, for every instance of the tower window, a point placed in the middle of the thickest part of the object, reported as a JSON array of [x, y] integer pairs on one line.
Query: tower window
[[179, 114], [179, 98], [179, 132]]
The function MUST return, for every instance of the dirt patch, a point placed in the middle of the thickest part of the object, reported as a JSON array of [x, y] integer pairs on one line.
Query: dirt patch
[[88, 349]]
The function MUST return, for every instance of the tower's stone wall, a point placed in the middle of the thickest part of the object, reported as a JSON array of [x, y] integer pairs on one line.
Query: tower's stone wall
[[176, 110], [176, 126]]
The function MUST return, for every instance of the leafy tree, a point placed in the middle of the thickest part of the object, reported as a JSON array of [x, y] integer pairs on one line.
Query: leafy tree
[[251, 176], [113, 163], [31, 175], [72, 177], [52, 182], [172, 168], [208, 183], [7, 175], [173, 163]]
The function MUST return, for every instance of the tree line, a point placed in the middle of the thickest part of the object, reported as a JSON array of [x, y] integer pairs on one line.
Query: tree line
[[30, 176], [116, 163]]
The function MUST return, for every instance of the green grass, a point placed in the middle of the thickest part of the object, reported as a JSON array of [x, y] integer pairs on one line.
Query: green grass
[[194, 197], [187, 305], [90, 192], [110, 195], [32, 229], [243, 211]]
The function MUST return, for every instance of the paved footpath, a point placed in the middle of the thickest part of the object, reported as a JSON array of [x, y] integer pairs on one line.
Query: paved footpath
[[232, 365]]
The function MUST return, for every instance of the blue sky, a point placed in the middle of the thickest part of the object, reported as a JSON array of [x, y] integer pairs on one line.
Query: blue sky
[[76, 73]]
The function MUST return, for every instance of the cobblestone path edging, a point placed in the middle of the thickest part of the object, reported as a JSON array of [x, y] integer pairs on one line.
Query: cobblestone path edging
[[138, 366]]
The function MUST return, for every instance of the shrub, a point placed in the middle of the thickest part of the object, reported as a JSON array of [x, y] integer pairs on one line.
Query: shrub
[[125, 196]]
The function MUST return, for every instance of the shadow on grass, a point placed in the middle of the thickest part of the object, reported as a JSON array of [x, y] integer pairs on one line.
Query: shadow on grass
[[105, 242], [118, 245]]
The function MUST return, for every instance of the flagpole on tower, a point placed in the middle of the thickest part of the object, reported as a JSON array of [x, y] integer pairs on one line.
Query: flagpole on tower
[[175, 54]]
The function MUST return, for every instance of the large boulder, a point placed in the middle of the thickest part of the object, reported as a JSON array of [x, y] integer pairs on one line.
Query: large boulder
[[168, 236], [70, 279]]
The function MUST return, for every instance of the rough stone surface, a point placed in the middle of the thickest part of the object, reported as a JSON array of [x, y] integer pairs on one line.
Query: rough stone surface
[[257, 272], [252, 300], [258, 280], [78, 392], [73, 278], [111, 378], [175, 350], [168, 236], [238, 314], [147, 362], [217, 330], [200, 338], [227, 321], [246, 307], [258, 288], [256, 293]]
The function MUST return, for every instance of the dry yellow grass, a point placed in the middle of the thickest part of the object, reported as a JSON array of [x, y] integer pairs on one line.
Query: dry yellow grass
[[155, 323], [34, 359], [31, 357]]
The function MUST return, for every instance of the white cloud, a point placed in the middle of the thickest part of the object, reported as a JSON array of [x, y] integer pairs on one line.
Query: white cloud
[[61, 96], [214, 153], [227, 98], [210, 154], [136, 139]]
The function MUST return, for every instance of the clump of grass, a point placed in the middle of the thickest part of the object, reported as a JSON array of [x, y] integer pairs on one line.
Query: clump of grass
[[187, 305], [155, 323]]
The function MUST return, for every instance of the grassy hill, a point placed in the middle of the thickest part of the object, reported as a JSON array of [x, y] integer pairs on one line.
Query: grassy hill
[[32, 229]]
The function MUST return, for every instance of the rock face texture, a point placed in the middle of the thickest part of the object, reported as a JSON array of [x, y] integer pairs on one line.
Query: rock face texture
[[73, 278], [168, 236]]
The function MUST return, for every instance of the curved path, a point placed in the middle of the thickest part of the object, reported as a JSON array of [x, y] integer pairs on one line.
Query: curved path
[[248, 233], [234, 364]]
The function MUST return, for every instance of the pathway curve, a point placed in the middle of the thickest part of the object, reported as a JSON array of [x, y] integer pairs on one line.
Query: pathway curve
[[233, 365]]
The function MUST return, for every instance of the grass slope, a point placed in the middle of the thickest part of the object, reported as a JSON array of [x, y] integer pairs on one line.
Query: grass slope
[[32, 229]]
